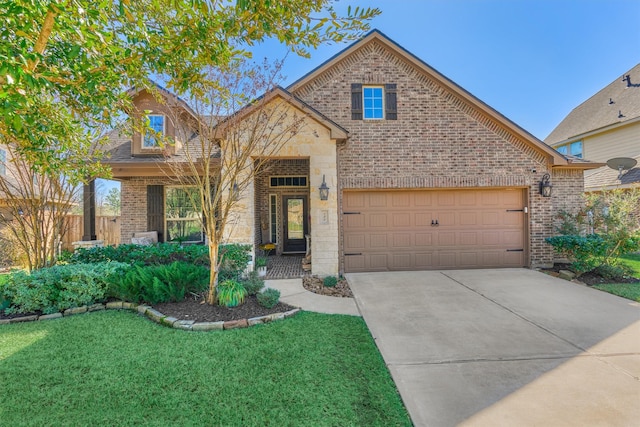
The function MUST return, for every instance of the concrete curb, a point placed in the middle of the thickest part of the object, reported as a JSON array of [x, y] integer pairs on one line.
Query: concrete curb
[[159, 318]]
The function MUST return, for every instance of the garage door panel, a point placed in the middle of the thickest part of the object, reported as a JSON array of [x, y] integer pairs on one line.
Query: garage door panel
[[378, 220], [395, 230]]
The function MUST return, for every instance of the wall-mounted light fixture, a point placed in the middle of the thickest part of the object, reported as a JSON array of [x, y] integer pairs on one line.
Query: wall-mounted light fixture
[[324, 190], [545, 185]]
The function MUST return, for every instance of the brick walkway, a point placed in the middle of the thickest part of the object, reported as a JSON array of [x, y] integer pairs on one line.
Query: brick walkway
[[285, 267]]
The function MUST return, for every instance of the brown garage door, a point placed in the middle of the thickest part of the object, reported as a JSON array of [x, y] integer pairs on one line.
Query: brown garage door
[[433, 229]]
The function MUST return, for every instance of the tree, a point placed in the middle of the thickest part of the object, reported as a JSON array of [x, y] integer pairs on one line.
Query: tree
[[112, 201], [64, 65], [240, 123], [35, 207]]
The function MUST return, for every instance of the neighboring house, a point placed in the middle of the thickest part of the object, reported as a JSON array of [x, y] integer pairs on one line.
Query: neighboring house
[[605, 126], [421, 174]]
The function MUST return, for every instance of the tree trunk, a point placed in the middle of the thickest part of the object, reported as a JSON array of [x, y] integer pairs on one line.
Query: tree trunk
[[213, 275]]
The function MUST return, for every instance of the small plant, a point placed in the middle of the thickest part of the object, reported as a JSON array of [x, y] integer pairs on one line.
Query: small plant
[[330, 281], [231, 293], [234, 259], [261, 261], [253, 283], [268, 298]]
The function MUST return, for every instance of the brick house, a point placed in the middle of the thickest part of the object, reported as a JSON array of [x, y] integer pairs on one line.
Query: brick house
[[421, 174]]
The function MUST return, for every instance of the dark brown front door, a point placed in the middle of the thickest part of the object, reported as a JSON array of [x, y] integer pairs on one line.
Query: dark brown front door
[[295, 223]]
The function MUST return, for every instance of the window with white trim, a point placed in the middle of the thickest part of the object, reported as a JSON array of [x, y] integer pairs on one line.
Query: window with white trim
[[572, 149], [155, 131], [3, 162], [373, 102], [183, 214]]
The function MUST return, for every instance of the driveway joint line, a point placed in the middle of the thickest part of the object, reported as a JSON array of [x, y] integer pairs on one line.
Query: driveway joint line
[[517, 314]]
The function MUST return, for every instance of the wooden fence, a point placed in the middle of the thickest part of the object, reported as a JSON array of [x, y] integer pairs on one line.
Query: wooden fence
[[107, 229]]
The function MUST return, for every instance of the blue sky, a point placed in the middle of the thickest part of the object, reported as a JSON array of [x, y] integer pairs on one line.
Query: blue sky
[[532, 60]]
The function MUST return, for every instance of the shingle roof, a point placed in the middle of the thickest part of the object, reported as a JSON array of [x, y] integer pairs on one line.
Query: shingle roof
[[619, 102], [607, 178]]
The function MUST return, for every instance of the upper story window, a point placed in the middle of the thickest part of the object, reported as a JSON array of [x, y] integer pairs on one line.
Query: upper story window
[[373, 102], [155, 132], [572, 149], [3, 162]]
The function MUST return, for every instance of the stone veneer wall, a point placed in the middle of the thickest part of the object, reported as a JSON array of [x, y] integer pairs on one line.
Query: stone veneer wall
[[438, 141]]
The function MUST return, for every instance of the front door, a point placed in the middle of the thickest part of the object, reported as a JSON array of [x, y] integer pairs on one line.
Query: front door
[[296, 223]]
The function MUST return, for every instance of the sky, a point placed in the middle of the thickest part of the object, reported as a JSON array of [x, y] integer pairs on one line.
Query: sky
[[531, 60]]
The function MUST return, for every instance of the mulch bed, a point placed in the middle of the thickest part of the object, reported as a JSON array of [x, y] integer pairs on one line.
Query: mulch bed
[[590, 278], [315, 284], [196, 309]]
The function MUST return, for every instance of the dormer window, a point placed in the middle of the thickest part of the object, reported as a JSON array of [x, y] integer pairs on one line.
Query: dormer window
[[155, 131]]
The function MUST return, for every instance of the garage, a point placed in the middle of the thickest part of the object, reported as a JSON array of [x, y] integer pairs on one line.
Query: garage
[[433, 229]]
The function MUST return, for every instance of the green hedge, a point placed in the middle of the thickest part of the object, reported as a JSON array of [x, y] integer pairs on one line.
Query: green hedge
[[162, 253], [58, 288]]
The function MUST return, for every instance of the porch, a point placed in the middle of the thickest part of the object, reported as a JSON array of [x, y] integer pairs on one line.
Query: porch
[[285, 267]]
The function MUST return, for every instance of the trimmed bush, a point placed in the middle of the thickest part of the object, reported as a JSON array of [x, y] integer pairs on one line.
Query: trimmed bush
[[253, 283], [234, 259], [268, 298], [58, 288], [159, 254], [330, 281], [231, 293], [160, 283]]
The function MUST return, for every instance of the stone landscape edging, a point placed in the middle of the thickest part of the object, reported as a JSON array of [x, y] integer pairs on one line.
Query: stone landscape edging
[[159, 318]]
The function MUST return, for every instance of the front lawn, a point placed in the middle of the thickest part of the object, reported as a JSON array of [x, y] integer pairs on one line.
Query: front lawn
[[116, 368], [626, 290]]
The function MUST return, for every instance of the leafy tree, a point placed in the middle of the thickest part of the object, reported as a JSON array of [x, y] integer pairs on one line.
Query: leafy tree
[[112, 201], [64, 65]]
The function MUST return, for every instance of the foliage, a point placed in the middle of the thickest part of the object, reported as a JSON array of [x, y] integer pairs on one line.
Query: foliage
[[231, 293], [606, 228], [160, 283], [253, 283], [112, 201], [163, 377], [161, 253], [60, 287], [261, 261], [633, 262], [268, 298], [330, 281], [234, 259]]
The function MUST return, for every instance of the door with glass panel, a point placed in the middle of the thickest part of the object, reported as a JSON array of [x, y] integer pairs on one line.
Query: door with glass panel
[[295, 223]]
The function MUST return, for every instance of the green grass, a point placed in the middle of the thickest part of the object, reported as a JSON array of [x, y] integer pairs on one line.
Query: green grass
[[116, 368], [626, 290], [633, 261]]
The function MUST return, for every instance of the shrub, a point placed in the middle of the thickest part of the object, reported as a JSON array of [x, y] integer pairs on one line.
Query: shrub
[[159, 254], [253, 283], [160, 283], [60, 287], [268, 298], [231, 293], [330, 281], [234, 259]]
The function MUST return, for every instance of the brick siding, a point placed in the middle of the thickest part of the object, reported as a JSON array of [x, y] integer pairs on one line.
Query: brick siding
[[439, 140]]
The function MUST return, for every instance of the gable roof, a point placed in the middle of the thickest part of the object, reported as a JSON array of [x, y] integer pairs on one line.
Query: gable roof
[[554, 157], [336, 131], [616, 104]]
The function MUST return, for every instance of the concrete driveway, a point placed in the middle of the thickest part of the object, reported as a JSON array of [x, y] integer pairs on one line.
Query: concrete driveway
[[508, 347]]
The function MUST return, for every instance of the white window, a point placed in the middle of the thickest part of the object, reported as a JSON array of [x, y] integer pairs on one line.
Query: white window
[[155, 132], [573, 149], [373, 102], [3, 162], [183, 214]]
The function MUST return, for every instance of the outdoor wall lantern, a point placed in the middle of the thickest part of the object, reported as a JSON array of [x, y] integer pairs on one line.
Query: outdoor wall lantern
[[324, 190], [545, 186]]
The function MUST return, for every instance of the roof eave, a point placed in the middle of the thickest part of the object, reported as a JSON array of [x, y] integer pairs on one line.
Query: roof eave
[[597, 131]]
